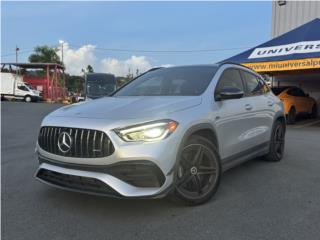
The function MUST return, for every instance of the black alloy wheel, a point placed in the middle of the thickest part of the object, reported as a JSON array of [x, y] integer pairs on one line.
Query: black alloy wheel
[[198, 172], [292, 116], [277, 142]]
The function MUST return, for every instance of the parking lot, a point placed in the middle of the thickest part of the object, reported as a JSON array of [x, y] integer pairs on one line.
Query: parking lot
[[257, 200]]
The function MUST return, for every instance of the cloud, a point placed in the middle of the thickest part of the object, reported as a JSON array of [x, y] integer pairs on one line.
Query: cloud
[[123, 67], [76, 59]]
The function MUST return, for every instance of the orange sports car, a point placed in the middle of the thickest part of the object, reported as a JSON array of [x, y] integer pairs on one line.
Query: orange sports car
[[295, 102]]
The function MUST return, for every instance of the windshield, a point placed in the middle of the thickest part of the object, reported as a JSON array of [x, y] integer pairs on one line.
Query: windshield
[[29, 86], [174, 81], [99, 85]]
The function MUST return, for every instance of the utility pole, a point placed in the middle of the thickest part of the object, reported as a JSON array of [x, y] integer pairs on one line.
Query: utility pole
[[17, 49], [62, 52]]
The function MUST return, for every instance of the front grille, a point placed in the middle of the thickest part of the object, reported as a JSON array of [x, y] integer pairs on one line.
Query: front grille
[[85, 143], [83, 184], [139, 173]]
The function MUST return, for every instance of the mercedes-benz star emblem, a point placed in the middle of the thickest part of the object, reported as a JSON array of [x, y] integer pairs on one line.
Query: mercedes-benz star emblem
[[64, 142]]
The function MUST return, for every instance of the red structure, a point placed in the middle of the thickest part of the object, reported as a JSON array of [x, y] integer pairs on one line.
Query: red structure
[[50, 80]]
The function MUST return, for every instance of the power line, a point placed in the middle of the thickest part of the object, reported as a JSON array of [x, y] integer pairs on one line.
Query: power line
[[29, 50], [163, 51], [25, 50], [14, 53]]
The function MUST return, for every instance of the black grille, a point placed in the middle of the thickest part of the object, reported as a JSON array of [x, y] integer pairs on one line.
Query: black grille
[[85, 143], [139, 173], [83, 184]]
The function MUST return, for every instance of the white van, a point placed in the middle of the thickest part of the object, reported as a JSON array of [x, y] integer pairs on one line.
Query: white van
[[13, 87]]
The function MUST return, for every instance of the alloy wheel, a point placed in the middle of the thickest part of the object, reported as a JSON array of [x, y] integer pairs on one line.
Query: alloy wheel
[[279, 136], [197, 173]]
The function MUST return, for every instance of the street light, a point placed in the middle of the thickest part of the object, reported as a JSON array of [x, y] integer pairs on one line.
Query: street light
[[17, 49]]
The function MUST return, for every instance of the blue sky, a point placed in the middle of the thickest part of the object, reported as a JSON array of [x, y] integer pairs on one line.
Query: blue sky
[[134, 25]]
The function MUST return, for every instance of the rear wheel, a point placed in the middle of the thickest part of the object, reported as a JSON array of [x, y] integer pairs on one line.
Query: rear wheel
[[292, 116], [198, 172], [277, 142], [314, 112]]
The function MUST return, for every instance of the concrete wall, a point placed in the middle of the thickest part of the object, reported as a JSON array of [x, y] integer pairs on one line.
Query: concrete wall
[[292, 15]]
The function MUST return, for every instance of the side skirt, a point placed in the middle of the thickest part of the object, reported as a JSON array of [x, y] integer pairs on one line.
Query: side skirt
[[246, 155]]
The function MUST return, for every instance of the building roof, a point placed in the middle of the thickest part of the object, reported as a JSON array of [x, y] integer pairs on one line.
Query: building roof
[[35, 65]]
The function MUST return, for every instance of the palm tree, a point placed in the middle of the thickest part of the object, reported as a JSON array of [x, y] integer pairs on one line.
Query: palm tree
[[45, 54]]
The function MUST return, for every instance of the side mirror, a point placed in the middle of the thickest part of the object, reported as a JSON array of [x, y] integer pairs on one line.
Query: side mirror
[[229, 93]]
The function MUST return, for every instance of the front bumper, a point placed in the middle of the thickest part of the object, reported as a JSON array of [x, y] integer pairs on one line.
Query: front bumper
[[131, 171], [92, 181], [75, 173]]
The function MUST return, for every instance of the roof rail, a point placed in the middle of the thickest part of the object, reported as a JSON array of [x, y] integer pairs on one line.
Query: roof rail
[[238, 64]]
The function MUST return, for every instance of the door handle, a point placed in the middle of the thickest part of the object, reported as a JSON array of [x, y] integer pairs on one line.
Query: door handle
[[270, 103], [248, 107]]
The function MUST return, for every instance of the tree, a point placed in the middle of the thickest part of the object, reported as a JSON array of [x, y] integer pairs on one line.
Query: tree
[[74, 83], [90, 69], [45, 54]]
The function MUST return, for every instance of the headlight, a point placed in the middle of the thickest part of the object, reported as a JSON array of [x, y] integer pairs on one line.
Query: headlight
[[148, 132]]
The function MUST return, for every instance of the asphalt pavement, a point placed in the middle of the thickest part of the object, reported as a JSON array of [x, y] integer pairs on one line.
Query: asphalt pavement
[[257, 200]]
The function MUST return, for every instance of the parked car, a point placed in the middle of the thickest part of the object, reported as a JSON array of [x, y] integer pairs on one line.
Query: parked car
[[13, 87], [296, 102], [171, 131]]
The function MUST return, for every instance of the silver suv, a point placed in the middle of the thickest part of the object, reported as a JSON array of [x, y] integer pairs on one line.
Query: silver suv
[[171, 131]]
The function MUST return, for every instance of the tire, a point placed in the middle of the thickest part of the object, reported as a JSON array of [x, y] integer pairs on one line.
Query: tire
[[277, 142], [27, 99], [314, 112], [292, 116], [198, 172]]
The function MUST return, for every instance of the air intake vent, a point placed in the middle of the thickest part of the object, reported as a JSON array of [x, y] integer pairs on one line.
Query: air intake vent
[[75, 142]]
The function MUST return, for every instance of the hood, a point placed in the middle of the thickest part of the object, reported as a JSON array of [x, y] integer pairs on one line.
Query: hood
[[128, 107]]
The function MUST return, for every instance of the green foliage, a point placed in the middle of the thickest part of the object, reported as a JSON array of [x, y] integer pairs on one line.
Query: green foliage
[[122, 80], [90, 69], [45, 54], [74, 83]]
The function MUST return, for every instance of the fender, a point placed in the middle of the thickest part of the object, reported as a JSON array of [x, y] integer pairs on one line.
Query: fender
[[188, 133]]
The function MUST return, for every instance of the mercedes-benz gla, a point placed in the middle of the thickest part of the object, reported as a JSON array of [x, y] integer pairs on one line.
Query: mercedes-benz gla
[[171, 131]]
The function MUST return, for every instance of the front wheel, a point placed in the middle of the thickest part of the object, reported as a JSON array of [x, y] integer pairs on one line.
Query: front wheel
[[197, 175], [292, 116], [27, 99], [277, 142]]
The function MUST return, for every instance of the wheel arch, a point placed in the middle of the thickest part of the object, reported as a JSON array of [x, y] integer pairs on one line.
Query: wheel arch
[[203, 129]]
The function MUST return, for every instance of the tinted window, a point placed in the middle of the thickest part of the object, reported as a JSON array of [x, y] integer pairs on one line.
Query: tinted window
[[297, 92], [230, 78], [22, 87], [254, 85], [278, 90], [174, 81], [300, 92]]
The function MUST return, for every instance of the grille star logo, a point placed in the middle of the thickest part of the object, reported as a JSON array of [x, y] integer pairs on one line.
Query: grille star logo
[[64, 142]]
